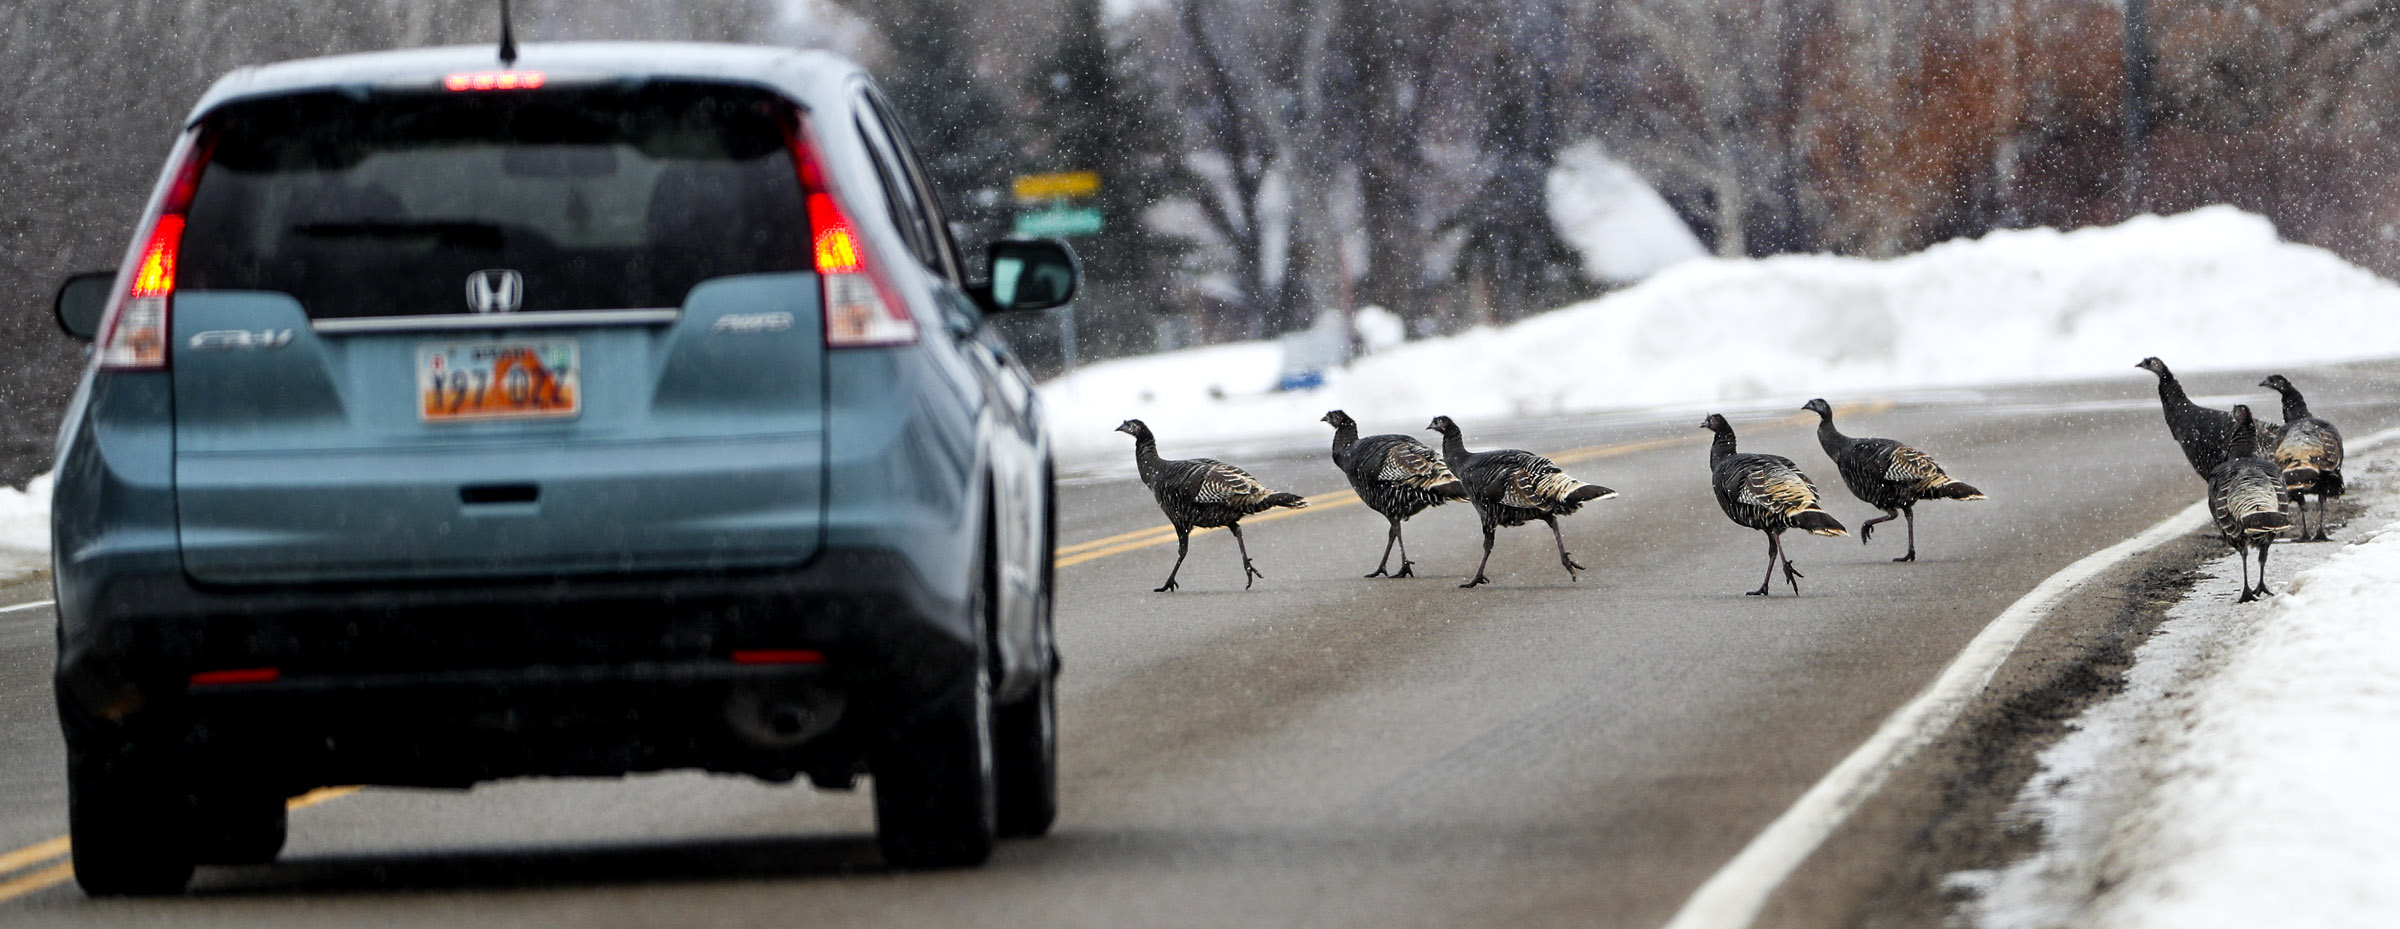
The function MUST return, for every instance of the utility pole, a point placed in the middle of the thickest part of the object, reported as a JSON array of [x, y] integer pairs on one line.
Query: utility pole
[[2141, 62]]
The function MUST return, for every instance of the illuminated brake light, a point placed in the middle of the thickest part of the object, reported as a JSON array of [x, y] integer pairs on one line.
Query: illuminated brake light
[[836, 245], [133, 335], [495, 80], [778, 656], [137, 336], [860, 311], [237, 676]]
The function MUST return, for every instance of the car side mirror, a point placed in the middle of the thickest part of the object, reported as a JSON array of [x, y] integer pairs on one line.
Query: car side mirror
[[81, 302], [1031, 274]]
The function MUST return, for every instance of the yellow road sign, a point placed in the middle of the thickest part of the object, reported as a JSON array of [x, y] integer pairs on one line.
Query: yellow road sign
[[1056, 186]]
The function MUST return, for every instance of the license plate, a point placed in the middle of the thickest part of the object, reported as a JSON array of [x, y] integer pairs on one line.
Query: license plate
[[537, 379]]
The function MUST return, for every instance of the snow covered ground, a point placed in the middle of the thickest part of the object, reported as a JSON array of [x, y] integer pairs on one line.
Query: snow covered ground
[[24, 529], [2244, 778], [2018, 306]]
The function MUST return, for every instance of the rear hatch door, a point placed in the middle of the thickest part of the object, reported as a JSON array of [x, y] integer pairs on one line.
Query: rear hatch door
[[429, 335]]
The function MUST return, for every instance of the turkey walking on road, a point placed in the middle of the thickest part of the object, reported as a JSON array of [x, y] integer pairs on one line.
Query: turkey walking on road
[[1887, 475], [2201, 431], [2309, 451], [2245, 494], [1511, 487], [1202, 492], [1767, 493], [1396, 475]]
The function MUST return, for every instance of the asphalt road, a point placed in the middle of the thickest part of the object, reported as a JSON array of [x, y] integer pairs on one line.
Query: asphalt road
[[1322, 750]]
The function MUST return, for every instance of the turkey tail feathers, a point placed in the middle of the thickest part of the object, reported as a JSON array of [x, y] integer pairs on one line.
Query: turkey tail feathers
[[1954, 490], [1818, 522], [2266, 522], [1550, 491], [1285, 499], [1453, 489], [1589, 492]]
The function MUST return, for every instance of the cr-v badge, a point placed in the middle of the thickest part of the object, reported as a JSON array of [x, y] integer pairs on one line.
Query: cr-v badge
[[216, 339], [497, 290]]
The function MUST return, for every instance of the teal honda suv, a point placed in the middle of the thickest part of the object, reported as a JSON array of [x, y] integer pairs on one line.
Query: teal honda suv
[[611, 408]]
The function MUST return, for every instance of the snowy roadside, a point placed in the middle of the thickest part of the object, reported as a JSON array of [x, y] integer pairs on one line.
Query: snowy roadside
[[2012, 307], [24, 530], [2243, 778]]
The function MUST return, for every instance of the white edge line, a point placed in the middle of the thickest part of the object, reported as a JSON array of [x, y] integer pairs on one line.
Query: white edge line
[[26, 606], [1733, 897]]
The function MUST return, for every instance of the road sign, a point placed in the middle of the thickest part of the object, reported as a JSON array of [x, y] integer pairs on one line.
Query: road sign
[[1059, 221], [1059, 186]]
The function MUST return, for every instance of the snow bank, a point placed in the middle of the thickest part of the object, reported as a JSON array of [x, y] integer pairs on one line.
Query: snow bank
[[2278, 807], [2243, 778], [24, 529], [2014, 306]]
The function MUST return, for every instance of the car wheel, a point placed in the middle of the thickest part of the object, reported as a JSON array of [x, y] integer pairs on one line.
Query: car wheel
[[127, 822], [935, 795], [239, 827], [1026, 754], [1026, 732]]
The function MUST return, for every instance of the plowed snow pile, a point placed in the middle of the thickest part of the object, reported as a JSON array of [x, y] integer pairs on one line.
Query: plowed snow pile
[[2033, 305]]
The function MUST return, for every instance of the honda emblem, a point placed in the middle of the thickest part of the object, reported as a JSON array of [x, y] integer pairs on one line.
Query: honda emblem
[[495, 291]]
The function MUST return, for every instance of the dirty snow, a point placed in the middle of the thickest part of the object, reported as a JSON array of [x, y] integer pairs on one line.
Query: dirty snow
[[2244, 776], [2014, 306]]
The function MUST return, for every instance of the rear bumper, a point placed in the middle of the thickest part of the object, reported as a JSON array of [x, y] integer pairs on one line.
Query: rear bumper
[[452, 684]]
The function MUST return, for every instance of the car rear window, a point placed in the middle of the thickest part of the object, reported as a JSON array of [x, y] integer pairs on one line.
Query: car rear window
[[598, 198]]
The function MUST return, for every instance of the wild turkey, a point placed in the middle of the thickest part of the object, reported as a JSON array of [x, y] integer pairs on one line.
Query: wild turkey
[[2309, 451], [2201, 431], [2245, 494], [1511, 487], [1396, 475], [1767, 493], [1887, 475], [1201, 492]]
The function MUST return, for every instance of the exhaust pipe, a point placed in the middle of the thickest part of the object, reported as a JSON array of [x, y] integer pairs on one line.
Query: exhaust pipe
[[782, 719]]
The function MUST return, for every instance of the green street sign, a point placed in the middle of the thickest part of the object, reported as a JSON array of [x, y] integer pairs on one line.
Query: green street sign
[[1058, 221]]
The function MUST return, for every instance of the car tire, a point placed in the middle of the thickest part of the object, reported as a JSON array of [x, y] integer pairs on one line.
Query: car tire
[[239, 827], [1025, 733], [1025, 752], [935, 792], [128, 822]]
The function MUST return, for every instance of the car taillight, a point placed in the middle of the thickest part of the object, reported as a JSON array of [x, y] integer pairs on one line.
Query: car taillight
[[133, 334], [860, 310]]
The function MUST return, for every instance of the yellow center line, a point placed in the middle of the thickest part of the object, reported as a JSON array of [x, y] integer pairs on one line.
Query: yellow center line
[[43, 879], [49, 849], [1096, 549], [32, 855], [319, 795]]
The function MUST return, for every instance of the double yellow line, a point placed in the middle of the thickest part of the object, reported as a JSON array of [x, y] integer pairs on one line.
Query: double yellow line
[[39, 866]]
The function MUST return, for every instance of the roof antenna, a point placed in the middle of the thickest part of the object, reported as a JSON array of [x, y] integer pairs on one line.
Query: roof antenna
[[508, 40]]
